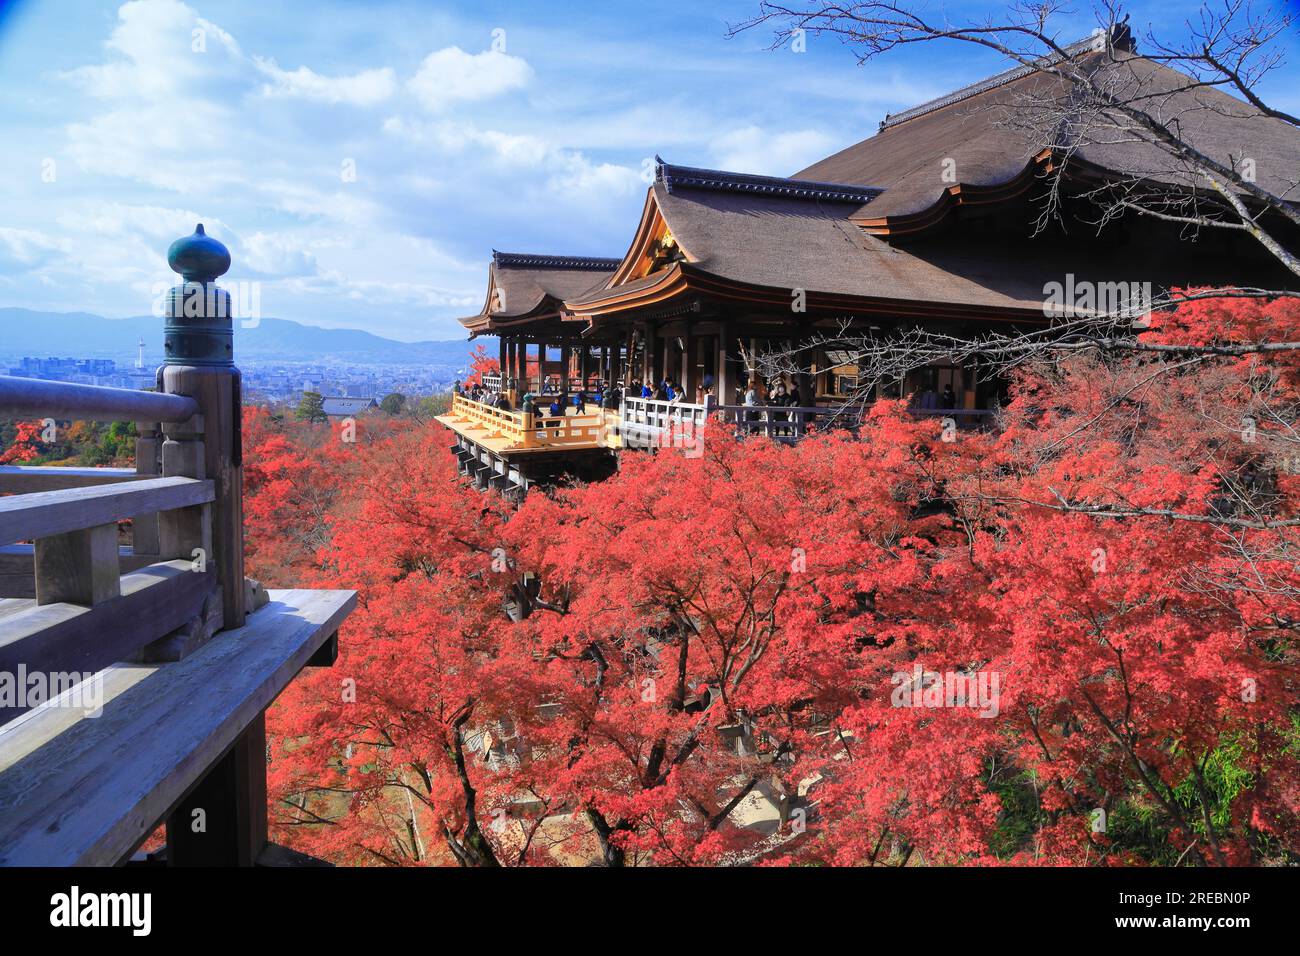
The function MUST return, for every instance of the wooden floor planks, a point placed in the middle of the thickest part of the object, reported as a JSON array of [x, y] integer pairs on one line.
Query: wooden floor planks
[[81, 790]]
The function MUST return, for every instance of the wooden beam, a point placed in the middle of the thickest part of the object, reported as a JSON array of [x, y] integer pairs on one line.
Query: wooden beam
[[725, 381], [217, 390], [36, 398], [18, 568], [222, 821], [24, 479], [50, 638], [45, 513], [690, 377]]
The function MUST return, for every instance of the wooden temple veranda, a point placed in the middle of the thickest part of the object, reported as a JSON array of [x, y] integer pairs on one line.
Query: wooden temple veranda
[[724, 267], [135, 675]]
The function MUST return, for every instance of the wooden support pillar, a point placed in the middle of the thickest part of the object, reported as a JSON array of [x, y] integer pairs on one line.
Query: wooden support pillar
[[222, 821], [630, 351], [78, 567], [564, 369], [803, 362], [726, 377], [501, 360], [184, 530], [148, 461], [200, 364], [647, 354], [690, 377]]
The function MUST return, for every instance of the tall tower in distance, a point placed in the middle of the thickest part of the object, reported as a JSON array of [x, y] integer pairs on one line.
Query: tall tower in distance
[[139, 356]]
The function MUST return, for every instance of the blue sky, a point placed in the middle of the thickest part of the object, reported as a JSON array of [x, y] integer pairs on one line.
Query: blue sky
[[521, 126]]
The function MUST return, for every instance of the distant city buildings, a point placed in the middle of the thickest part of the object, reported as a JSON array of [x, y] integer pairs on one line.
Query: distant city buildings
[[82, 371], [271, 382], [347, 406]]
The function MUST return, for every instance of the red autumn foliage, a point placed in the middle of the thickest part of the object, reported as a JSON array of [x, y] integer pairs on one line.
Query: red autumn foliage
[[26, 444], [480, 364], [714, 659]]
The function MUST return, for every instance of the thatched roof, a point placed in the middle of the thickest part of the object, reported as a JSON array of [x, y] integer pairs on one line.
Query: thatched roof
[[988, 132], [526, 286]]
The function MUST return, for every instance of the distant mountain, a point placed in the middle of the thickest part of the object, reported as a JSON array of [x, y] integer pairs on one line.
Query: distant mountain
[[83, 335]]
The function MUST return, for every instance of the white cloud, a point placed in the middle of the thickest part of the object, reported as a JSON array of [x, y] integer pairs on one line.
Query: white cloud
[[28, 248], [359, 89], [154, 223], [277, 254], [451, 75], [534, 165], [752, 149], [163, 48]]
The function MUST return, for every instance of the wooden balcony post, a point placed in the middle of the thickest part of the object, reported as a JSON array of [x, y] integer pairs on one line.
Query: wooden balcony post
[[222, 821], [689, 377], [183, 530], [726, 380], [200, 363], [199, 350], [625, 372], [144, 529]]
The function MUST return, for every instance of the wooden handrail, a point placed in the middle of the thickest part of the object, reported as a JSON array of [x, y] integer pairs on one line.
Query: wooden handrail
[[45, 513], [31, 397], [21, 479]]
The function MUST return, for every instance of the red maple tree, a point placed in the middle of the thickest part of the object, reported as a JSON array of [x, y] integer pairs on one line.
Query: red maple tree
[[1067, 640]]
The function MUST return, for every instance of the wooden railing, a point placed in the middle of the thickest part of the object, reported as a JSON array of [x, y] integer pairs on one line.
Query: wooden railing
[[492, 381], [650, 423], [496, 422], [96, 602], [785, 423], [587, 430], [518, 430], [643, 423], [789, 424], [34, 398], [160, 632]]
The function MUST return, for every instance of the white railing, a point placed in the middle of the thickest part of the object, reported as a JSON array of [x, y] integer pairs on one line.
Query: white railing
[[648, 423]]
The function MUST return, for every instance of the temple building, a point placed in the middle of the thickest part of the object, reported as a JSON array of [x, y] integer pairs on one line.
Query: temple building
[[935, 221]]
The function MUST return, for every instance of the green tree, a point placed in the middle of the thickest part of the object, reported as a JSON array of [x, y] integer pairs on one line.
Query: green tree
[[393, 403], [311, 408], [432, 405]]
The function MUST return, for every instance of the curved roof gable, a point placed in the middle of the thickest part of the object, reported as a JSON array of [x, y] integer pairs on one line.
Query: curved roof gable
[[523, 286], [668, 233], [957, 148]]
